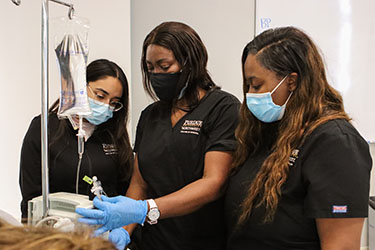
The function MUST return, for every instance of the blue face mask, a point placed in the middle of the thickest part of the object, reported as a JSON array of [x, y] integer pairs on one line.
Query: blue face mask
[[263, 107], [101, 112]]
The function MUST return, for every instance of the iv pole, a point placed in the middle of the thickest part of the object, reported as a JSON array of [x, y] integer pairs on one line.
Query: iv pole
[[44, 99]]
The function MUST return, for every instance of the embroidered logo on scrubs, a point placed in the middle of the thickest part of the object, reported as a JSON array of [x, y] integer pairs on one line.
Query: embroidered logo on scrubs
[[109, 149], [339, 209], [191, 127], [293, 157]]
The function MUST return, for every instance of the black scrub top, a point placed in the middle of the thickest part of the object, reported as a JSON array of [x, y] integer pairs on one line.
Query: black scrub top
[[100, 158], [169, 158], [329, 178]]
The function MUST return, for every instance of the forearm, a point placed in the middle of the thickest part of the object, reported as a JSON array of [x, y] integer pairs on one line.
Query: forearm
[[190, 198], [130, 228], [340, 233], [137, 190], [197, 194], [118, 211]]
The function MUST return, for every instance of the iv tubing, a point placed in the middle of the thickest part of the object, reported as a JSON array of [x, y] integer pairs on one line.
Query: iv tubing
[[78, 169], [80, 145]]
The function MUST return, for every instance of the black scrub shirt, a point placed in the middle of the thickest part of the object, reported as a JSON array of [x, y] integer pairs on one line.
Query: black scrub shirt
[[329, 178], [100, 158], [170, 158]]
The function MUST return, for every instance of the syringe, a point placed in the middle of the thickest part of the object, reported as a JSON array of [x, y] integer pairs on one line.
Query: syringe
[[97, 188]]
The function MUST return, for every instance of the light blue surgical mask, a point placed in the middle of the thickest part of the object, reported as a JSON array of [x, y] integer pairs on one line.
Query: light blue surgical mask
[[263, 107], [101, 112]]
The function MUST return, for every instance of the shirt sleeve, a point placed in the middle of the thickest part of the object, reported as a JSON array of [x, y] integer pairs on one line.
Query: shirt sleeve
[[138, 133], [30, 165], [336, 173], [223, 122], [122, 186]]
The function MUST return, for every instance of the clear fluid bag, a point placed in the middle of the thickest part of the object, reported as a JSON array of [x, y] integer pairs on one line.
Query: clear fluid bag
[[71, 48]]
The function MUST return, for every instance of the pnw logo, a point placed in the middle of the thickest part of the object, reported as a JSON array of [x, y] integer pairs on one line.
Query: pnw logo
[[109, 149], [191, 127], [293, 157]]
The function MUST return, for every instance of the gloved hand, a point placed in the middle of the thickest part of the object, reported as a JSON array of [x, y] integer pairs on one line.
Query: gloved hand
[[113, 213], [120, 237]]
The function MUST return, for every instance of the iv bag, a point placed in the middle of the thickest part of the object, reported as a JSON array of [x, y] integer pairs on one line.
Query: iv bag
[[71, 48]]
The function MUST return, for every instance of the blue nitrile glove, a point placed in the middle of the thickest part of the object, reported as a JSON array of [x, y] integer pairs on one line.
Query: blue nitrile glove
[[113, 213], [120, 237]]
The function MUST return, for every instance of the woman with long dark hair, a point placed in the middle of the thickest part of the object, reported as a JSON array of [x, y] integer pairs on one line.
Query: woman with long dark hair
[[301, 170], [108, 153]]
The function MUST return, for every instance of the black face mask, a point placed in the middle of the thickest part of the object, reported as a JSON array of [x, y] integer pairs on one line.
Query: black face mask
[[165, 85]]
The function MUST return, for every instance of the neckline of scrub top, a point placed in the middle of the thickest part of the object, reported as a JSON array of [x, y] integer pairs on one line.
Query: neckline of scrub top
[[191, 111]]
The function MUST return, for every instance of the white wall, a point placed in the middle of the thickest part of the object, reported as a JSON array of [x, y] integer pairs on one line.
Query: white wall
[[344, 32], [224, 26], [20, 67]]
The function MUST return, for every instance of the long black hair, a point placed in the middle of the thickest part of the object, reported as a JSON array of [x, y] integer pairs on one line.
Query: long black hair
[[114, 127]]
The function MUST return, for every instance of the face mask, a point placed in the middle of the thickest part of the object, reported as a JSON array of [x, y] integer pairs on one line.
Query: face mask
[[263, 107], [165, 85], [101, 112]]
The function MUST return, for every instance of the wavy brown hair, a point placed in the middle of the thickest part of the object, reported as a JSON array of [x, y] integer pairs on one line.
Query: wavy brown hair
[[284, 51]]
